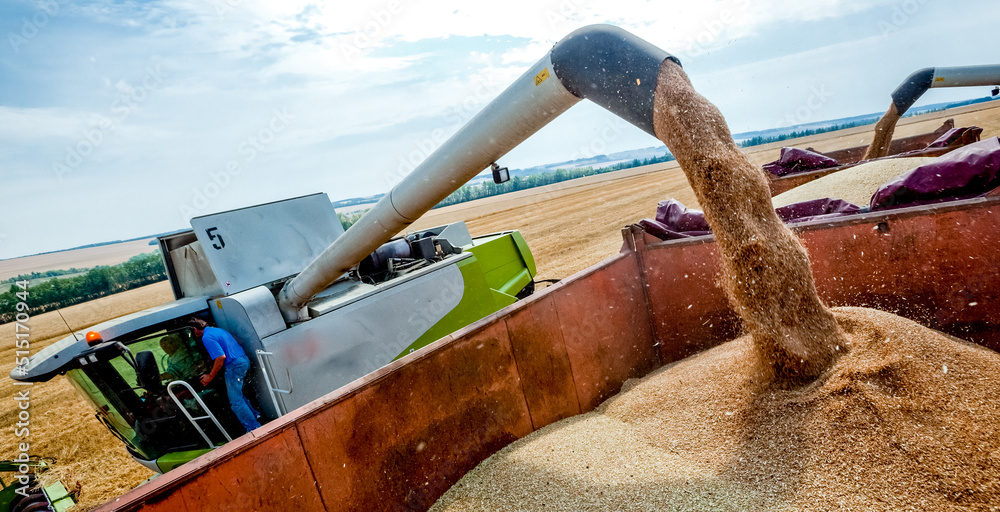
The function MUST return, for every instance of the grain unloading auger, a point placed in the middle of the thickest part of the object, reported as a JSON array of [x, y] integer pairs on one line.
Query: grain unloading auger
[[915, 85], [605, 64], [237, 269]]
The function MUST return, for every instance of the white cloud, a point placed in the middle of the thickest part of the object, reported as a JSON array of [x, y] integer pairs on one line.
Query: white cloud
[[230, 63], [32, 124]]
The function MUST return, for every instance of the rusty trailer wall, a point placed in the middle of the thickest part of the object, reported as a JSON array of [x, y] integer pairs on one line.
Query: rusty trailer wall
[[400, 437], [936, 264]]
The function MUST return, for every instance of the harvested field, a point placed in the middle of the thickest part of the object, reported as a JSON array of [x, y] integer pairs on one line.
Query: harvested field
[[569, 226], [111, 254], [905, 420]]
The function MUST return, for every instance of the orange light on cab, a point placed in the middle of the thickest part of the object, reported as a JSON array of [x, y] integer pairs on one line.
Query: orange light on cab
[[94, 338]]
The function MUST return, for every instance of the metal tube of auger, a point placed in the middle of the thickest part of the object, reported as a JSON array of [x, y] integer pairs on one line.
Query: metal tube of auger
[[605, 64], [915, 85]]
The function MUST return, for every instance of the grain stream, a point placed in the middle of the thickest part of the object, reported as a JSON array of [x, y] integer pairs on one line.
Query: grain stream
[[765, 269]]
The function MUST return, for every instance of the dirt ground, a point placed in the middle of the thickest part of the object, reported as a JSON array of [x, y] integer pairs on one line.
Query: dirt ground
[[569, 227], [111, 254]]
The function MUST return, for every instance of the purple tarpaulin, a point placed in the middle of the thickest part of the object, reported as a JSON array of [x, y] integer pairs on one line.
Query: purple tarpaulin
[[815, 208], [674, 214], [799, 160], [674, 220], [965, 172], [954, 135]]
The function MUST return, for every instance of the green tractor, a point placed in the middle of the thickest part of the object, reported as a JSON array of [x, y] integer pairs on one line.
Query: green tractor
[[24, 493]]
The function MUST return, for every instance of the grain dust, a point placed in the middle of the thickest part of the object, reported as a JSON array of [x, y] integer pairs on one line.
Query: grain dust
[[904, 419]]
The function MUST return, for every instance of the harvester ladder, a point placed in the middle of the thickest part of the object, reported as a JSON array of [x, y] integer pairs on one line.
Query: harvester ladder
[[194, 421], [274, 390]]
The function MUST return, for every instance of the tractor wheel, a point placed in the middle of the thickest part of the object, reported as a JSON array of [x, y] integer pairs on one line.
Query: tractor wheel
[[526, 291], [20, 498], [30, 503], [39, 506]]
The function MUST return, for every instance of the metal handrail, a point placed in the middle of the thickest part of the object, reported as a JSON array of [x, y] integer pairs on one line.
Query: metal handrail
[[193, 420], [273, 389]]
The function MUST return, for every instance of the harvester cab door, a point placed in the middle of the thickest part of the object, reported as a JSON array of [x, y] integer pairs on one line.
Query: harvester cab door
[[129, 393]]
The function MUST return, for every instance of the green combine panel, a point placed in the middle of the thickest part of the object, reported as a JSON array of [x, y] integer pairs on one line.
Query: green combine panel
[[501, 268], [22, 492]]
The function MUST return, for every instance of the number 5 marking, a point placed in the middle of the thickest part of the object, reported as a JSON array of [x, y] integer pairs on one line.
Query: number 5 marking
[[212, 236]]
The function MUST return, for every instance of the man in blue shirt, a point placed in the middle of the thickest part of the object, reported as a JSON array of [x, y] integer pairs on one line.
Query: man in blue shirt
[[226, 353]]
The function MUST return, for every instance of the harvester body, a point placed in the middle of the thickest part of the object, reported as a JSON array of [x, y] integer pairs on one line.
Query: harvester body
[[142, 378]]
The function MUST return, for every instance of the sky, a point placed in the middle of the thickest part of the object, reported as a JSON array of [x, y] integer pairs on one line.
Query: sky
[[120, 119]]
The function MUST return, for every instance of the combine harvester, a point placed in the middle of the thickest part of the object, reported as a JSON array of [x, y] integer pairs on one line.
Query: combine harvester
[[140, 372], [399, 437]]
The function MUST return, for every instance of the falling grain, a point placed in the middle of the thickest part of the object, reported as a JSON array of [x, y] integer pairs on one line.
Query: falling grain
[[765, 269], [884, 129], [786, 418]]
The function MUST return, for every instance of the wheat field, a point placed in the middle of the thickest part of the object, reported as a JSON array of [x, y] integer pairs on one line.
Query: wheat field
[[569, 227]]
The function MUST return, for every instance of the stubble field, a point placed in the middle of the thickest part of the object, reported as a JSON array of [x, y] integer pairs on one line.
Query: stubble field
[[569, 226]]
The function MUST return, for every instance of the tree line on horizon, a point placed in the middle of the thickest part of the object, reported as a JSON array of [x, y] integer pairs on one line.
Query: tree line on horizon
[[98, 282], [488, 188], [41, 275]]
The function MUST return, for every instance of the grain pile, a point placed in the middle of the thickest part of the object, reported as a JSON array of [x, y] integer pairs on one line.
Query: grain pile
[[884, 129], [855, 185], [906, 420]]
